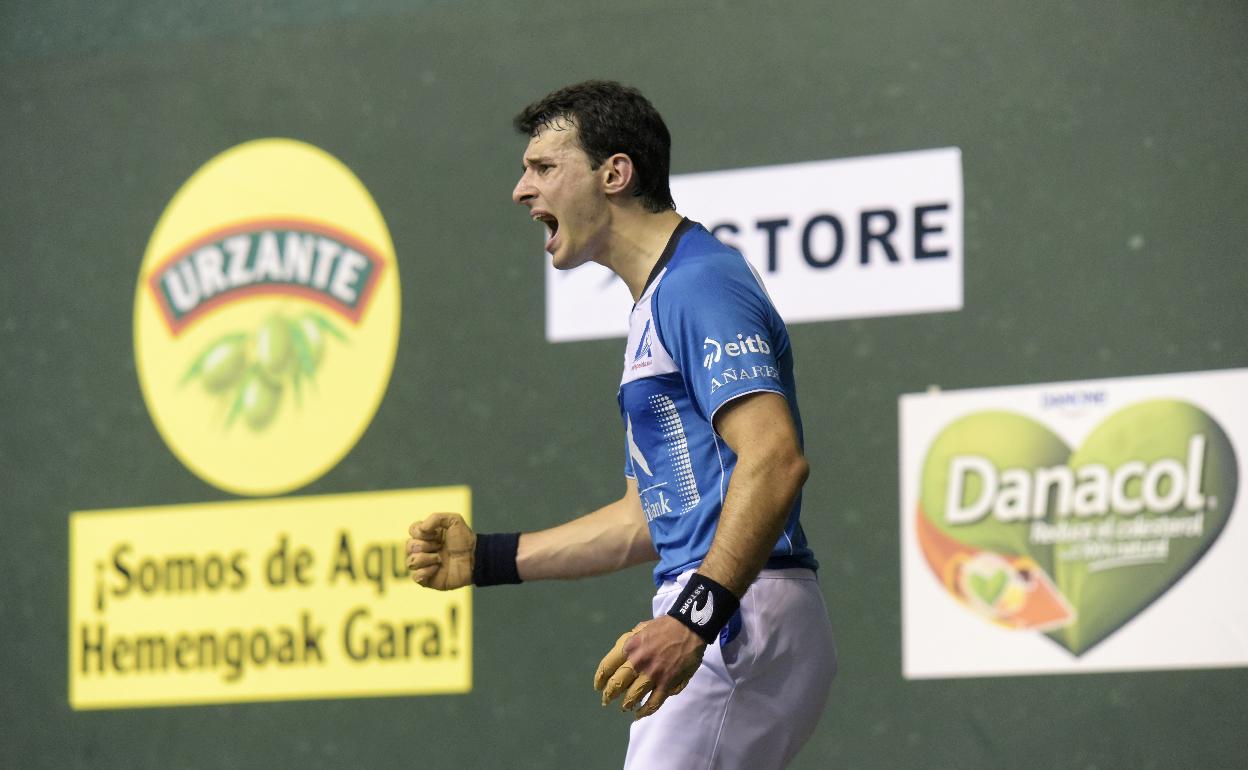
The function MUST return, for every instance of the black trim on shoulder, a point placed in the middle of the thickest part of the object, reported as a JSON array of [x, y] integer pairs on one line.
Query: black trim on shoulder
[[686, 224]]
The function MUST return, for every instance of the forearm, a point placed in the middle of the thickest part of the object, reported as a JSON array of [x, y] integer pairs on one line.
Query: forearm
[[756, 507], [608, 539]]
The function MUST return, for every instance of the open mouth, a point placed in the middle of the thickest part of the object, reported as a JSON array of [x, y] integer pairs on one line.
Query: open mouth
[[552, 228]]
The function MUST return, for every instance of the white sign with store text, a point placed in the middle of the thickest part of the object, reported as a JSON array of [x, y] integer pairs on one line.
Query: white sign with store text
[[832, 239]]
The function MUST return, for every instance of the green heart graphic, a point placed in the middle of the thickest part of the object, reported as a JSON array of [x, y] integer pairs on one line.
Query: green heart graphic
[[988, 589], [1112, 525]]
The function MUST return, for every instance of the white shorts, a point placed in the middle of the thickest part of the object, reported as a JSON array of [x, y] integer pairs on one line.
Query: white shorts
[[756, 699]]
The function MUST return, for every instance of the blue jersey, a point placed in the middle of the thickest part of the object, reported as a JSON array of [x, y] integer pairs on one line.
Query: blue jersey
[[703, 333]]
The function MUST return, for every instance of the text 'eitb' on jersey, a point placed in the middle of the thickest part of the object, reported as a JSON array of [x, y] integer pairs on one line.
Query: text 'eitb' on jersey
[[703, 333]]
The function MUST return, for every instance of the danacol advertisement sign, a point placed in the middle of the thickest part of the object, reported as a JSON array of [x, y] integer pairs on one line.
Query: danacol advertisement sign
[[1085, 526]]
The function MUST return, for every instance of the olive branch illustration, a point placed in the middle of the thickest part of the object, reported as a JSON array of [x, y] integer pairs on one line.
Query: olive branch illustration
[[251, 370]]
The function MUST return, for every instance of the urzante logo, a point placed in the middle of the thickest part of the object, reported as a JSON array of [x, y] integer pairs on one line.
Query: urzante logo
[[249, 378], [743, 346], [301, 259]]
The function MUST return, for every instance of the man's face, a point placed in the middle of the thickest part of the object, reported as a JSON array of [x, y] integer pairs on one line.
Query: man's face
[[564, 193]]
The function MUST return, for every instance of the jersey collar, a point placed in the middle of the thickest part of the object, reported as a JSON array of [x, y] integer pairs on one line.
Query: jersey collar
[[686, 224]]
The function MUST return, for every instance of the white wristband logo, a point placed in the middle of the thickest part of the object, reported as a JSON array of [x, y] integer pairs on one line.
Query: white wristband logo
[[702, 615]]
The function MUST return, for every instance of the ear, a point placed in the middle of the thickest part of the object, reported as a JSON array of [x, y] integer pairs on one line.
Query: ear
[[617, 173]]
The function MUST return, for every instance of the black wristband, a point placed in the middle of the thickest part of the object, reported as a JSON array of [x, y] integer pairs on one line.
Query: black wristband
[[494, 559], [705, 606]]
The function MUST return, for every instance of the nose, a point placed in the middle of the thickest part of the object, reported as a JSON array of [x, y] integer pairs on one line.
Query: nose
[[523, 191]]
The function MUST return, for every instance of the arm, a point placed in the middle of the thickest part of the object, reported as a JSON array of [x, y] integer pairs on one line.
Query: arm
[[608, 539], [663, 654], [768, 476], [441, 548]]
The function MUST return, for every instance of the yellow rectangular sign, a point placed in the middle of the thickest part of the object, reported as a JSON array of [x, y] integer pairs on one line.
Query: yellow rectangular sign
[[279, 599]]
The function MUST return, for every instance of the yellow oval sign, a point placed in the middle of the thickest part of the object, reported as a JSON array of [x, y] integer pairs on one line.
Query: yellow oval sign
[[266, 317]]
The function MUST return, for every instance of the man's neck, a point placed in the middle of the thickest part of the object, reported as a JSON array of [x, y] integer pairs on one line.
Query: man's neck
[[637, 240]]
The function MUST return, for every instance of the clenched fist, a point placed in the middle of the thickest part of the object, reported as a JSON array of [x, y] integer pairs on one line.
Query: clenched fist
[[440, 551]]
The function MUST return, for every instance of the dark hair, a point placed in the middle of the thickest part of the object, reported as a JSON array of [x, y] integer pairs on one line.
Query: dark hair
[[611, 118]]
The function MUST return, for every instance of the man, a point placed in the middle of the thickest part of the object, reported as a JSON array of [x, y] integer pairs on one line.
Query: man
[[739, 654]]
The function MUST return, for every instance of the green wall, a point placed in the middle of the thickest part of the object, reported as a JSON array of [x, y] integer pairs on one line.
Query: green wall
[[1106, 185]]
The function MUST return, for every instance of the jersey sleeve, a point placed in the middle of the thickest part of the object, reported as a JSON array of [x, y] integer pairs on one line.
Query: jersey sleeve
[[722, 332]]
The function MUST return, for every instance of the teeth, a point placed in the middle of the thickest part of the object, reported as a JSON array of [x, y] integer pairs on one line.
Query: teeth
[[549, 221]]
